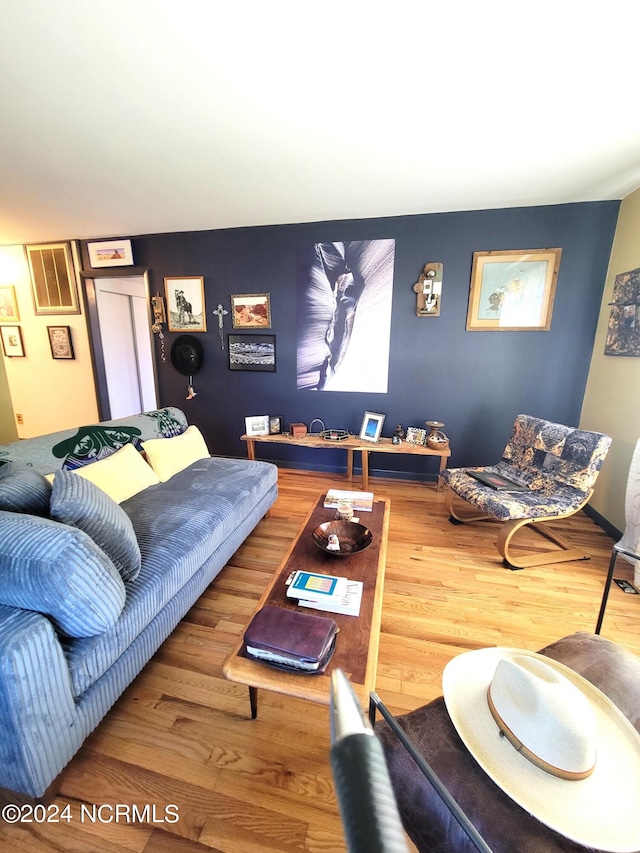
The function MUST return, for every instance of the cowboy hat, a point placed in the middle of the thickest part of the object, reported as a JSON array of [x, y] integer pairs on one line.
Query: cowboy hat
[[186, 355], [537, 708]]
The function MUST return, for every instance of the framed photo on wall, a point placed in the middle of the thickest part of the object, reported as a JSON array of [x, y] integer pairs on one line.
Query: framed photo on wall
[[513, 291], [12, 341], [252, 352], [110, 253], [8, 305], [185, 303], [60, 342], [371, 426], [251, 310]]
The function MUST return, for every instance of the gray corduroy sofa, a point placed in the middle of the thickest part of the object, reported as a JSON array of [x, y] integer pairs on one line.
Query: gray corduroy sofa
[[80, 615]]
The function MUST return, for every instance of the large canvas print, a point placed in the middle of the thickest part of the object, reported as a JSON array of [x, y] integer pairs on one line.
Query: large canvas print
[[344, 316]]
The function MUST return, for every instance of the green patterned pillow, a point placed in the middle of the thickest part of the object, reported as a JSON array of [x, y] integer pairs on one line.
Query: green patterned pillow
[[24, 490], [58, 571], [80, 503]]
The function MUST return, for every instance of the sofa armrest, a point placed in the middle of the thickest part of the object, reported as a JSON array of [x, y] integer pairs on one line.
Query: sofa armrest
[[38, 720]]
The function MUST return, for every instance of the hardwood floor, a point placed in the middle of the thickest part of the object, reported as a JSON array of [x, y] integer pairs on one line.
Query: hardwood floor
[[181, 735]]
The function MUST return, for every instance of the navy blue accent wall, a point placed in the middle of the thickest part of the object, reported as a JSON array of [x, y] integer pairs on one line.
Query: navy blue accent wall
[[476, 382]]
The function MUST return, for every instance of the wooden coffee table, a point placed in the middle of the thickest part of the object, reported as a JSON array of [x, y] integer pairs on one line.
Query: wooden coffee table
[[357, 643]]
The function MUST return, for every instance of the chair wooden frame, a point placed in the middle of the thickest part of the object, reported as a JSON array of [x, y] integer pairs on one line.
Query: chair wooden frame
[[567, 552]]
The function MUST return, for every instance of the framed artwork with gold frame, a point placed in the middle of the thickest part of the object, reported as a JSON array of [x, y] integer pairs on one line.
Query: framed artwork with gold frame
[[513, 291]]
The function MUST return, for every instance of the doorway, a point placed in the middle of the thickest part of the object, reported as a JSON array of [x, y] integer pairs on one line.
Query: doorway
[[122, 345]]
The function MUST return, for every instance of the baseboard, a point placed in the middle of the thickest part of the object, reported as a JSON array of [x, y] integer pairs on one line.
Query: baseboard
[[610, 529]]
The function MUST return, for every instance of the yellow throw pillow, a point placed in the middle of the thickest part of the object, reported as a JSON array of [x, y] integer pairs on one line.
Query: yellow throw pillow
[[167, 456], [121, 475]]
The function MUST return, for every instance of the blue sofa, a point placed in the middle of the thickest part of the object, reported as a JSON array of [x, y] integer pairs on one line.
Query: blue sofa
[[82, 610]]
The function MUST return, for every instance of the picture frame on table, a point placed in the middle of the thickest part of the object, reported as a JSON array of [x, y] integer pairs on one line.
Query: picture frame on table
[[252, 352], [110, 253], [257, 425], [185, 303], [8, 305], [371, 426], [513, 291], [275, 424], [416, 435], [12, 344], [60, 342], [251, 310]]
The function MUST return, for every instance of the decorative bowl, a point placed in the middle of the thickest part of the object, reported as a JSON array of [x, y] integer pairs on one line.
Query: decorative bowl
[[353, 537]]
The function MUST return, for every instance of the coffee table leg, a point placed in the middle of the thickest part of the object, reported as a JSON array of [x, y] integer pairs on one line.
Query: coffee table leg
[[365, 469], [253, 700]]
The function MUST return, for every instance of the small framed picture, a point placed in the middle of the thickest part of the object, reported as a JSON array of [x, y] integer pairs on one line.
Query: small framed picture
[[252, 352], [415, 435], [251, 310], [110, 253], [257, 425], [12, 341], [371, 426], [8, 305], [275, 424], [60, 342], [185, 303]]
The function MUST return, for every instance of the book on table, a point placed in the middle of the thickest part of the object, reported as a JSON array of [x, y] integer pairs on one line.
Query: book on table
[[291, 640], [362, 501], [326, 592]]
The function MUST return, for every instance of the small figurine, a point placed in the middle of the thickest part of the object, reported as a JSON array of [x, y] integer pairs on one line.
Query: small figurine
[[398, 435], [333, 543]]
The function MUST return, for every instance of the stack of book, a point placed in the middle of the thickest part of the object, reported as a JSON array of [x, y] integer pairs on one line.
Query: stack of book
[[290, 640], [361, 501], [326, 592]]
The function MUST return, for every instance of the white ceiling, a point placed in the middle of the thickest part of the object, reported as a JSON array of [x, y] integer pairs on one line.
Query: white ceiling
[[144, 116]]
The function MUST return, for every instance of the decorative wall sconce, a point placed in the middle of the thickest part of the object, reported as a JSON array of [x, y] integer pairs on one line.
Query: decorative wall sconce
[[429, 290]]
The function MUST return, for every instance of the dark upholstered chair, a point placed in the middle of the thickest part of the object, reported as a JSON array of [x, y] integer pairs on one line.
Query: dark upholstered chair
[[504, 826], [558, 466]]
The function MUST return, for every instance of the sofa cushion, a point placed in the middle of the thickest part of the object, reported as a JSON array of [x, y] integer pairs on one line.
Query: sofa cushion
[[24, 490], [80, 503], [83, 599], [168, 456], [121, 475], [179, 525]]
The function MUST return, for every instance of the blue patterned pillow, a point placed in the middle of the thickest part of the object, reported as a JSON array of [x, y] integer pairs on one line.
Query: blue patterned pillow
[[59, 571], [24, 490], [80, 503]]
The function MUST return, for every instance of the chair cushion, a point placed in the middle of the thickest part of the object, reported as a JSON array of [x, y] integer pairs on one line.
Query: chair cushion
[[24, 490], [79, 503], [121, 475], [83, 600], [168, 456]]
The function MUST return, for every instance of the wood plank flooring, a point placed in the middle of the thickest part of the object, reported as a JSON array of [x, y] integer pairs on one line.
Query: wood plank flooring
[[181, 735]]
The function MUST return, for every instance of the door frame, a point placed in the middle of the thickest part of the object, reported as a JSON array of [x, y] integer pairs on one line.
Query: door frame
[[88, 278]]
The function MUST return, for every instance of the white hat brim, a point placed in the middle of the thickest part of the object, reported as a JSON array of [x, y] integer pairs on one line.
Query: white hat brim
[[599, 811]]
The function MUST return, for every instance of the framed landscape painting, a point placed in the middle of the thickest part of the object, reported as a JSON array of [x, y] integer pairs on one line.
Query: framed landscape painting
[[252, 352]]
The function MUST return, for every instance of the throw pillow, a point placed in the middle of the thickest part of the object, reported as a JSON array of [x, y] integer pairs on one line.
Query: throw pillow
[[121, 475], [167, 456], [80, 503], [60, 572], [24, 490]]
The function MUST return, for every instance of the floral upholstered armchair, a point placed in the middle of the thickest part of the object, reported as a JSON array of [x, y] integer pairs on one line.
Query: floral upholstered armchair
[[551, 469]]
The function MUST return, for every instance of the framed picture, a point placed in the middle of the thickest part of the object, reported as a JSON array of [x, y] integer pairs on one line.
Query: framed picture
[[513, 291], [251, 311], [252, 352], [275, 424], [8, 305], [257, 425], [185, 303], [416, 435], [53, 283], [12, 341], [110, 253], [60, 342], [371, 426]]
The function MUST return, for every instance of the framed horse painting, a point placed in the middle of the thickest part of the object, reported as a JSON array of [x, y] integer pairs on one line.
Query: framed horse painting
[[185, 303]]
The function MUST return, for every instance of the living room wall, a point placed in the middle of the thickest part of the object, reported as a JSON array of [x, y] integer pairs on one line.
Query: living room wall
[[476, 382]]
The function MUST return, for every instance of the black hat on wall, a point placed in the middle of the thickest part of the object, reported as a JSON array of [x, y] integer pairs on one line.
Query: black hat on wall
[[186, 355]]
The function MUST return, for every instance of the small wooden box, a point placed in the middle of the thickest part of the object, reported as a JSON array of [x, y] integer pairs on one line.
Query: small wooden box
[[298, 430]]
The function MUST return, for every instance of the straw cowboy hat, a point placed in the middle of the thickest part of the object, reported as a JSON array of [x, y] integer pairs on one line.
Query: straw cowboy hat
[[552, 741]]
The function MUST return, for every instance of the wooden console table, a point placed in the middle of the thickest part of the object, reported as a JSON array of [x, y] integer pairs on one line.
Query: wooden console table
[[384, 445]]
